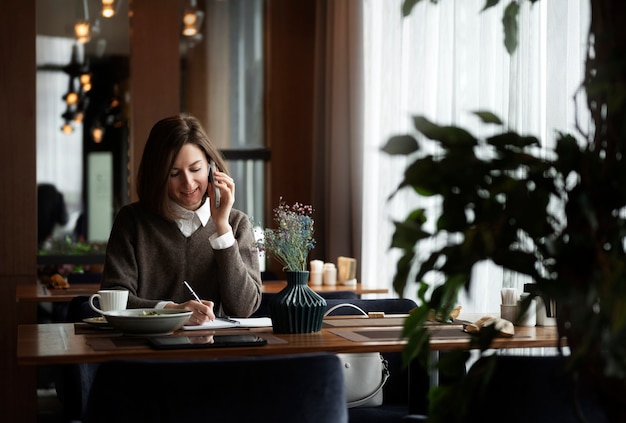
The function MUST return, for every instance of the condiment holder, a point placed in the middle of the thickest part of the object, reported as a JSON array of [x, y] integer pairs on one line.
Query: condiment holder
[[509, 312], [542, 313], [511, 308], [508, 308], [529, 317], [330, 274]]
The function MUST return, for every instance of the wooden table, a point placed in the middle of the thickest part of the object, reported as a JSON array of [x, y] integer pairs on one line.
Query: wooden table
[[65, 343], [38, 292], [71, 343]]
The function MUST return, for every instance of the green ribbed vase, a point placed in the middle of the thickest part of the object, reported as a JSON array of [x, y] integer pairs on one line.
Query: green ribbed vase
[[297, 308]]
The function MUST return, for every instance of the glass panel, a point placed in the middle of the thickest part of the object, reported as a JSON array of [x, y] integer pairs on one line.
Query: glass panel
[[97, 71], [222, 71]]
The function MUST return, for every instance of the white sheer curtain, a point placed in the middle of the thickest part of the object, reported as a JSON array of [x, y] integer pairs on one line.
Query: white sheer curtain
[[445, 61]]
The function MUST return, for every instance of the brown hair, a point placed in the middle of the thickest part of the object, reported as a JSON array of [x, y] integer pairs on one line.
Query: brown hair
[[166, 139]]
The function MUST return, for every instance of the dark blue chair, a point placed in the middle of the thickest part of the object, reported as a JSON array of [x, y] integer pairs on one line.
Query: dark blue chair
[[539, 388], [386, 305], [303, 388], [86, 277], [79, 309]]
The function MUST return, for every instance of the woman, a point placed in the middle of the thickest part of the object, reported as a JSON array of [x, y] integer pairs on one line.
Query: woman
[[176, 233]]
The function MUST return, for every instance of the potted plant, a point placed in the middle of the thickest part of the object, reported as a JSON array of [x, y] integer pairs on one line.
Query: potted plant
[[500, 207], [297, 308]]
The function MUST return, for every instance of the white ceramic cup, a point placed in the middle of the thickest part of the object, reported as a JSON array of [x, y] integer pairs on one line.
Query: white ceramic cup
[[110, 299]]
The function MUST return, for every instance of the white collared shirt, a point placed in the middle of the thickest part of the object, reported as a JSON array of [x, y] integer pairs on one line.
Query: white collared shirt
[[190, 221]]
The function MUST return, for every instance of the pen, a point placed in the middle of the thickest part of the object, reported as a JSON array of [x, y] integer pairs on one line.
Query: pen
[[195, 296], [228, 319]]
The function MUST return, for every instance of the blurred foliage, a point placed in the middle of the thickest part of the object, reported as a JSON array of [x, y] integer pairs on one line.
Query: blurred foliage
[[67, 246], [557, 216]]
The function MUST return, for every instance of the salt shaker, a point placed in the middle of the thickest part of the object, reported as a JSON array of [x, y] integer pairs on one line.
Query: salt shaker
[[330, 274]]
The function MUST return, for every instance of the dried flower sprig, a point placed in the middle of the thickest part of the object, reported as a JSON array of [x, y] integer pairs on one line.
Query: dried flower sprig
[[291, 242]]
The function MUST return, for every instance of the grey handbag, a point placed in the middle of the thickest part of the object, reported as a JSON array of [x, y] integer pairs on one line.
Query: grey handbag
[[364, 374]]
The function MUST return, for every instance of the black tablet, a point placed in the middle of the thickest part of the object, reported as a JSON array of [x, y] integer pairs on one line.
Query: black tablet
[[206, 341]]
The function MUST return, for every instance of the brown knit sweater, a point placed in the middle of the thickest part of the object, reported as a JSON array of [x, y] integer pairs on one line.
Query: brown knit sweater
[[150, 257]]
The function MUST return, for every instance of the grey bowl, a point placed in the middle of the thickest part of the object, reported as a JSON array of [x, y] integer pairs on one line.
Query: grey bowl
[[147, 321]]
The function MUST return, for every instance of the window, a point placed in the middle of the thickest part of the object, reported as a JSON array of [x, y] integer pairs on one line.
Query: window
[[445, 61], [59, 155], [223, 87]]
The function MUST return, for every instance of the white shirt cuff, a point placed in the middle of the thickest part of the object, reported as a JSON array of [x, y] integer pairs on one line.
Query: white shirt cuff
[[222, 242]]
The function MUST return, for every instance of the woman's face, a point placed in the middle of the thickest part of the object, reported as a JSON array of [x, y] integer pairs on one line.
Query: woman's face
[[189, 177]]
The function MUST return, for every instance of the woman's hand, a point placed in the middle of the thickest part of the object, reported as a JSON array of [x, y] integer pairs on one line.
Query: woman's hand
[[202, 312], [220, 215]]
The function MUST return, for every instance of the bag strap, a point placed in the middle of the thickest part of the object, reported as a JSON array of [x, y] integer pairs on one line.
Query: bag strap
[[330, 310], [385, 373], [383, 380]]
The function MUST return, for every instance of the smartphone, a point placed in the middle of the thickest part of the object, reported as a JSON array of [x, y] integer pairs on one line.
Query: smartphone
[[206, 341], [216, 190]]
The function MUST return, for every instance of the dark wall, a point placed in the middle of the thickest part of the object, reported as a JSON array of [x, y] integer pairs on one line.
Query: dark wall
[[18, 210], [289, 104]]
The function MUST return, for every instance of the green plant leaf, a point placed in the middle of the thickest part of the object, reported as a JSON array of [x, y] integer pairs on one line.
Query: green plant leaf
[[415, 320], [418, 337], [453, 217], [403, 268], [425, 267], [408, 6], [452, 364], [489, 3], [569, 153], [422, 176], [401, 144], [449, 136], [488, 117], [512, 139], [509, 21], [407, 233]]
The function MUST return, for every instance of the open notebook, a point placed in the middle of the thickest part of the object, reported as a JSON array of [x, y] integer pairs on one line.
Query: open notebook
[[219, 323]]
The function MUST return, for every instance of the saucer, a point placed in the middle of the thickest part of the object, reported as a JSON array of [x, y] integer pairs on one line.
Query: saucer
[[100, 322]]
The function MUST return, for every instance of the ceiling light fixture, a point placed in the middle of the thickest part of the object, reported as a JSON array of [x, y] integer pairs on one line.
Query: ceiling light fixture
[[82, 31], [108, 11], [97, 133], [71, 97], [68, 116], [74, 69], [67, 128], [79, 83], [85, 81], [192, 19]]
